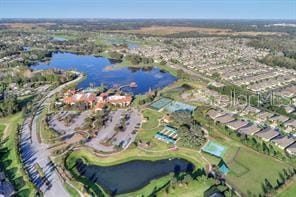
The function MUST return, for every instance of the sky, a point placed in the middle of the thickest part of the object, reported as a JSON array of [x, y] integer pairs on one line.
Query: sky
[[193, 9]]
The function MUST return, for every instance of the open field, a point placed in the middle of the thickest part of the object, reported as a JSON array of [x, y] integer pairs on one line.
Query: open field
[[167, 30], [12, 161]]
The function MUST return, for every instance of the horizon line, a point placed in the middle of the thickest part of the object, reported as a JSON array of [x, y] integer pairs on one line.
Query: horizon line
[[139, 18]]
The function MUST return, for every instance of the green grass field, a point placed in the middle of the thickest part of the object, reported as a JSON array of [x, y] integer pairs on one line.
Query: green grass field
[[152, 118], [194, 188], [11, 159], [148, 189], [289, 190]]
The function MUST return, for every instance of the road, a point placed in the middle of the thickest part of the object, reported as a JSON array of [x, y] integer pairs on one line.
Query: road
[[35, 153]]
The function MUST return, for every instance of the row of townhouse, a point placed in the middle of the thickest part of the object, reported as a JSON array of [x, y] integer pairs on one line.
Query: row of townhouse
[[267, 134]]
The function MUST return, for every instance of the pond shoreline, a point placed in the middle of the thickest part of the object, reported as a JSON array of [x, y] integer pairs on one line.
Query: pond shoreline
[[97, 72], [130, 176]]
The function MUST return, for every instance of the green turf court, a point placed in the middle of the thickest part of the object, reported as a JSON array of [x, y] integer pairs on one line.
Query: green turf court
[[179, 106], [160, 103], [214, 148]]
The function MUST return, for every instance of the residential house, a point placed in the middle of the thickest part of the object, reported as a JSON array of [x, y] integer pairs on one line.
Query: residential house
[[250, 129], [236, 124], [279, 119], [290, 125], [264, 115], [213, 114], [224, 119], [267, 134], [291, 149], [250, 110], [283, 141]]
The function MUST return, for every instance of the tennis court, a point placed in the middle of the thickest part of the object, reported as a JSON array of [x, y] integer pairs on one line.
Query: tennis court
[[178, 106], [214, 148], [160, 103]]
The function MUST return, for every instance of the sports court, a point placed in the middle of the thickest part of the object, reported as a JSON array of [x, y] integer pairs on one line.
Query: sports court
[[214, 148], [160, 103], [168, 135], [178, 106], [223, 167]]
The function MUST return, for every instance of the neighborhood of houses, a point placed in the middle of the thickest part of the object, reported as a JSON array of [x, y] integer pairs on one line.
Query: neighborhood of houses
[[266, 133], [227, 59]]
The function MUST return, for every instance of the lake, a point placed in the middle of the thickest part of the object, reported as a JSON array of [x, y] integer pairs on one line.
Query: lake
[[133, 175], [97, 74]]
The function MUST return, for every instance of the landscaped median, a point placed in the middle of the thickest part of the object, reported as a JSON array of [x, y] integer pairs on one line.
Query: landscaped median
[[10, 158], [126, 156]]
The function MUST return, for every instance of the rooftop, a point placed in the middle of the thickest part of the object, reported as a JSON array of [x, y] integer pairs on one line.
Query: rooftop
[[224, 119], [267, 134], [250, 129], [237, 124], [283, 141]]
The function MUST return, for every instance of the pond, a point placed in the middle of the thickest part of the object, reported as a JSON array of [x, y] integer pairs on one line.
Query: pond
[[97, 73], [133, 175]]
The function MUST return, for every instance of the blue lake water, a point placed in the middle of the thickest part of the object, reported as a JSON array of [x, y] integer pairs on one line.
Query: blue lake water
[[133, 175], [97, 74]]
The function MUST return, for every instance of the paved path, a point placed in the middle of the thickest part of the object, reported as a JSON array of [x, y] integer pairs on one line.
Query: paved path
[[35, 153]]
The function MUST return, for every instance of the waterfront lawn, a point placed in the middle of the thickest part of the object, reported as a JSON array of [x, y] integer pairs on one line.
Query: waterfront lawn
[[194, 188], [153, 186], [11, 158]]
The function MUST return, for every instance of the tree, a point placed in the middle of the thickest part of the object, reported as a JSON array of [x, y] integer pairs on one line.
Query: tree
[[268, 186], [173, 181], [187, 179], [115, 55]]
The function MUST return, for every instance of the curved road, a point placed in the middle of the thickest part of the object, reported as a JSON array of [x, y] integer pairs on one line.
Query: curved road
[[35, 153]]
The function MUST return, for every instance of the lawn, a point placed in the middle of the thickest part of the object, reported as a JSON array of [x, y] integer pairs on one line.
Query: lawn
[[194, 188], [46, 135], [150, 188], [2, 127], [289, 190], [152, 118], [11, 160]]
